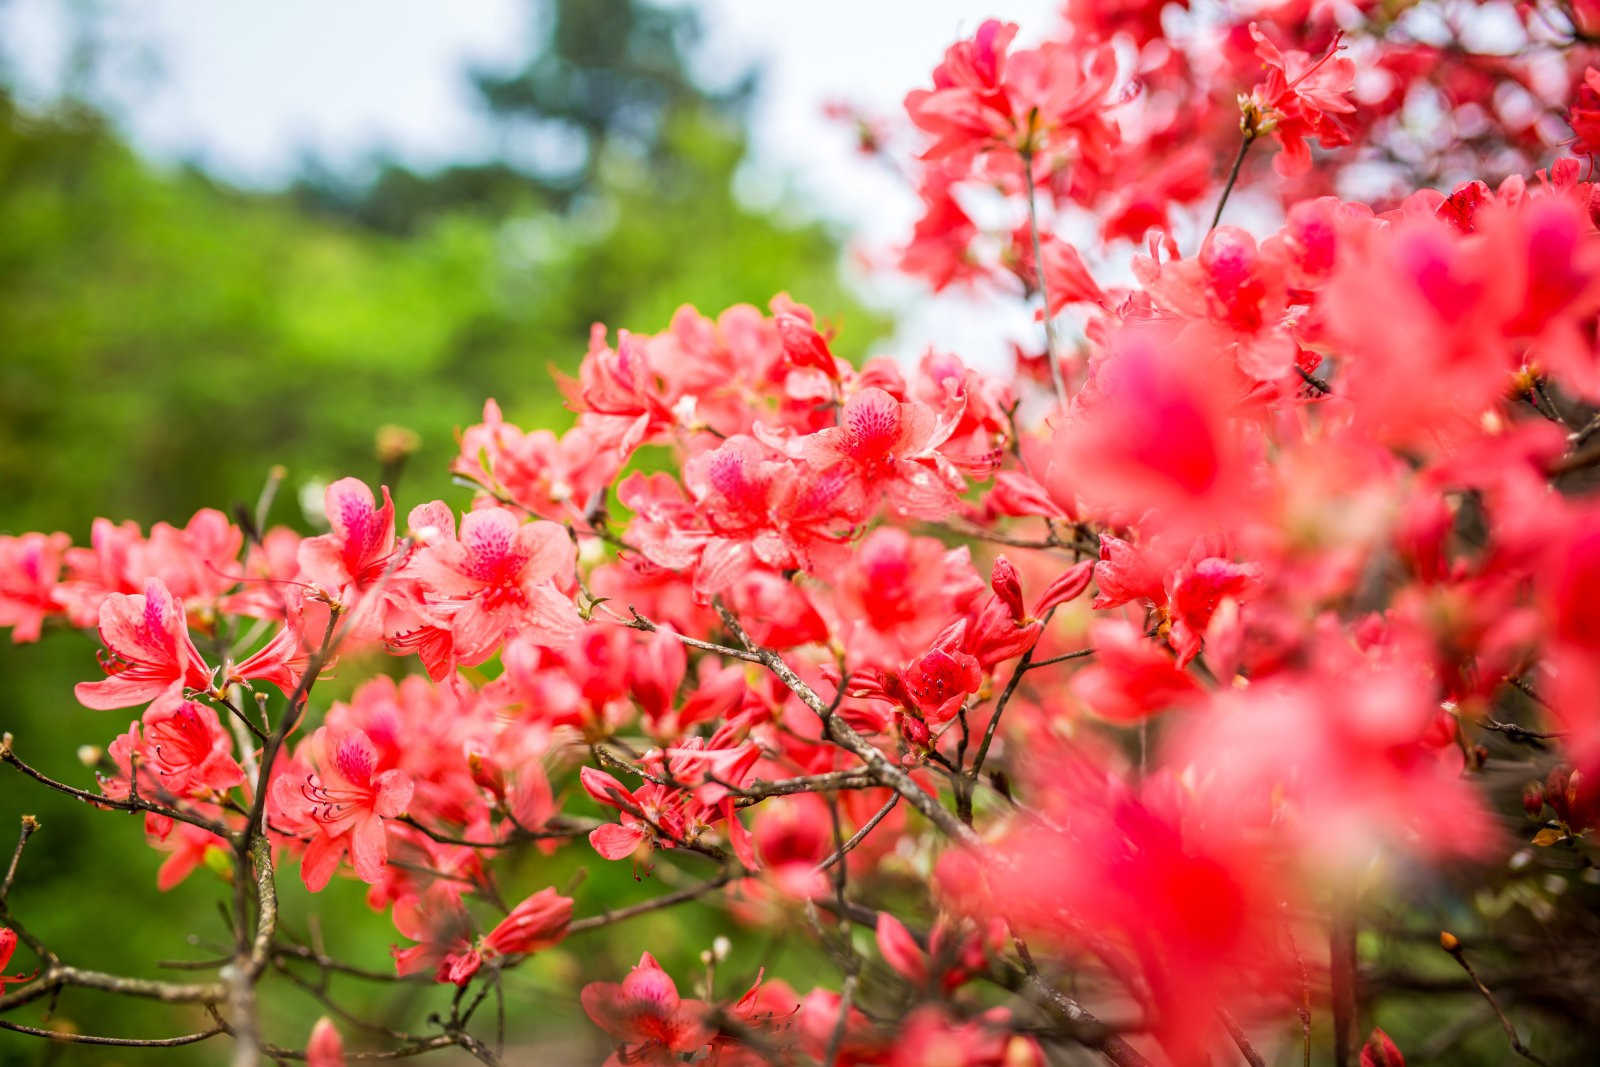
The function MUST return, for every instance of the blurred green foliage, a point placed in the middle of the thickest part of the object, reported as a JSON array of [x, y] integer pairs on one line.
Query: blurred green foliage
[[166, 339]]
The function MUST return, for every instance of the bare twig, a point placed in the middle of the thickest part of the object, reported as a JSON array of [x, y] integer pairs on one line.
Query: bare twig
[[1233, 175], [754, 792], [639, 622], [59, 975], [861, 834], [1452, 945], [1051, 349], [847, 996], [1006, 694], [607, 918], [1342, 967], [1241, 1039], [517, 835], [30, 824], [1082, 653], [840, 731], [100, 800], [119, 1042]]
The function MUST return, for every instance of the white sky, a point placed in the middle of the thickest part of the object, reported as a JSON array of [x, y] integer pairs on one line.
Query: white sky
[[247, 88]]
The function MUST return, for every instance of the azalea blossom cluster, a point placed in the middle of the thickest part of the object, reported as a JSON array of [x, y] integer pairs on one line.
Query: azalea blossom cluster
[[1105, 697]]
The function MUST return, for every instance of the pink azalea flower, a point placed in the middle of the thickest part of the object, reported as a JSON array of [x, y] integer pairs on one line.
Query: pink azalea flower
[[498, 578], [342, 801], [30, 571], [183, 751], [149, 653], [443, 931], [8, 945], [651, 1023], [1300, 98]]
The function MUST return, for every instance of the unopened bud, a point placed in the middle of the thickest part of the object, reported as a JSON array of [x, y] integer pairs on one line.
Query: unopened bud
[[396, 443], [1381, 1051], [1555, 789], [1533, 800], [721, 947], [803, 346], [89, 755], [1449, 942], [1583, 801], [914, 730], [487, 774], [1008, 586], [1067, 586], [1021, 1052]]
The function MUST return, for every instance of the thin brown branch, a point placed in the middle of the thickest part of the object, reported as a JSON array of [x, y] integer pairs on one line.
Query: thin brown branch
[[319, 993], [29, 825], [517, 835], [1318, 384], [1241, 1039], [100, 800], [753, 792], [327, 963], [416, 1048], [1515, 732], [60, 975], [847, 996], [639, 622], [861, 834], [1452, 945], [1082, 653], [1342, 968], [982, 753], [119, 1042], [607, 918], [1052, 352], [841, 732], [1233, 175]]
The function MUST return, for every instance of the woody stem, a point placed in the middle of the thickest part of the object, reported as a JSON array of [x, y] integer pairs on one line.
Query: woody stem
[[1233, 176], [1058, 382]]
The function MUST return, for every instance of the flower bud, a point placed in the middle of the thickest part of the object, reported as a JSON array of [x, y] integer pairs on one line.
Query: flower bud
[[914, 730], [1533, 799], [1583, 803], [1381, 1051], [1555, 789], [487, 774], [326, 1047], [396, 443], [803, 345], [1449, 942], [1068, 586], [1008, 587], [538, 922]]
